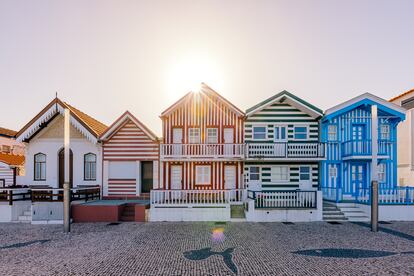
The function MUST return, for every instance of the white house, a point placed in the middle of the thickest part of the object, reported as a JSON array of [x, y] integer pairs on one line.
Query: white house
[[43, 138], [406, 139]]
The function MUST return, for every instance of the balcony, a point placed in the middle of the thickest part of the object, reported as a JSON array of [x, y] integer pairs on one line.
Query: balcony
[[271, 151], [363, 149], [201, 151]]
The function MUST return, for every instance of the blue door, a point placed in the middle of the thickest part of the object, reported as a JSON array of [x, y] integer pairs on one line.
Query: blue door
[[358, 179], [359, 144]]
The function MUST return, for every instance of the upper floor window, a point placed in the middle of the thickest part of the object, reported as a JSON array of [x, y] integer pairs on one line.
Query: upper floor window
[[301, 133], [6, 149], [280, 133], [381, 172], [259, 133], [40, 166], [89, 160], [385, 132], [203, 175], [279, 173], [254, 173], [194, 135], [332, 133], [212, 135]]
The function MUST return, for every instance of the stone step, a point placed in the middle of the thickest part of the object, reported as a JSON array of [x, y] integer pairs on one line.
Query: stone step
[[27, 213], [25, 218], [237, 212], [238, 220], [336, 219]]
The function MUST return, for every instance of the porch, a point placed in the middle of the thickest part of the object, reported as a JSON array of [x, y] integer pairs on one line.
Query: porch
[[285, 150], [187, 151], [363, 149]]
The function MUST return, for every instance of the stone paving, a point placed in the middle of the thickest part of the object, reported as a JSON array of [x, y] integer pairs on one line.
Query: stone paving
[[206, 249]]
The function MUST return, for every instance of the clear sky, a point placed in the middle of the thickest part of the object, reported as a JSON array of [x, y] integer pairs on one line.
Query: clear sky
[[105, 57]]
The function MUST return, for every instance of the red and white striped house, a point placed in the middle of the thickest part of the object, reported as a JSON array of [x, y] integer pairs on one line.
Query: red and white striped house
[[130, 158], [202, 146]]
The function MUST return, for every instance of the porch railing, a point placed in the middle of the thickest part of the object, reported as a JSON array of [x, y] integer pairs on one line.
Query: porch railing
[[11, 195], [175, 198], [364, 147], [388, 196], [285, 150], [201, 150], [296, 199]]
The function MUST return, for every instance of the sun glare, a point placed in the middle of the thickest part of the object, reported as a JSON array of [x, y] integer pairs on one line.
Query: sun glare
[[187, 74]]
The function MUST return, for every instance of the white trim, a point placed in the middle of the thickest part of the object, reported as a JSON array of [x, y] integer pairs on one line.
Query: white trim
[[266, 132], [286, 132], [307, 132]]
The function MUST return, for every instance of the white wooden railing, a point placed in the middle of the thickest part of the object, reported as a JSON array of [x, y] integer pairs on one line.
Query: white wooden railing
[[201, 150], [188, 198], [285, 150], [297, 199]]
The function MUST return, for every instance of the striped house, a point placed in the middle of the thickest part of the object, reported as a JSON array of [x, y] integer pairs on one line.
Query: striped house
[[130, 158], [202, 147], [282, 144]]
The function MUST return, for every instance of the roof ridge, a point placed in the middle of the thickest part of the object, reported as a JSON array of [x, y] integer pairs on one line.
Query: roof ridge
[[401, 95]]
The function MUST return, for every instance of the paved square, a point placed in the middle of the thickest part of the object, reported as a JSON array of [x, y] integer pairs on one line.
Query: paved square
[[206, 249]]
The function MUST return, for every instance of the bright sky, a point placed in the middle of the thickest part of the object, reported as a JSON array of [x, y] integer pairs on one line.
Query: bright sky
[[105, 57]]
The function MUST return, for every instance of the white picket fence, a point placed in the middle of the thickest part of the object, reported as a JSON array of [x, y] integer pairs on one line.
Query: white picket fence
[[297, 199]]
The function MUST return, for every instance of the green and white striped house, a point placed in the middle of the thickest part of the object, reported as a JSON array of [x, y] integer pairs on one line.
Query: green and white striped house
[[282, 144]]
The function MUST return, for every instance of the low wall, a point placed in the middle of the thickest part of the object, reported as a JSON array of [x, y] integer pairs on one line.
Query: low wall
[[47, 212], [292, 215], [391, 212], [96, 213], [221, 213], [9, 213]]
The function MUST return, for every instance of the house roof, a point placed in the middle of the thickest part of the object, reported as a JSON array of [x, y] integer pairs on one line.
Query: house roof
[[106, 135], [7, 132], [401, 95], [367, 99], [12, 159], [95, 127], [204, 89], [309, 108]]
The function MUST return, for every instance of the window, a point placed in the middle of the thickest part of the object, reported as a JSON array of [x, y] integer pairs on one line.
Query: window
[[6, 149], [280, 133], [333, 172], [259, 133], [385, 132], [194, 135], [40, 167], [89, 160], [304, 173], [332, 133], [254, 174], [212, 135], [301, 133], [203, 176], [381, 172], [279, 173]]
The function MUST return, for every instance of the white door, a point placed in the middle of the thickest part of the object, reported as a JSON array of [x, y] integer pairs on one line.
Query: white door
[[305, 178], [176, 181], [230, 181], [177, 141], [228, 134]]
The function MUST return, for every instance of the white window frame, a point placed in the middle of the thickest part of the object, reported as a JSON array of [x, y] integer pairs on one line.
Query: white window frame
[[307, 173], [294, 132], [387, 133], [39, 173], [265, 133], [284, 175], [274, 133], [382, 172], [332, 133], [192, 138], [333, 171], [254, 173], [89, 167], [203, 174], [209, 136]]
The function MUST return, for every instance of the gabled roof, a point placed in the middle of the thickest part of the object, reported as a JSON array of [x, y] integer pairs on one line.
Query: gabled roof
[[12, 159], [119, 123], [401, 95], [206, 90], [365, 99], [290, 98], [93, 126], [5, 132]]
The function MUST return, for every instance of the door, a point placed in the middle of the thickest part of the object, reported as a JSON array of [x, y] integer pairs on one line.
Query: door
[[228, 137], [62, 168], [358, 138], [176, 182], [357, 179], [280, 138], [177, 141], [305, 178], [230, 181], [146, 176]]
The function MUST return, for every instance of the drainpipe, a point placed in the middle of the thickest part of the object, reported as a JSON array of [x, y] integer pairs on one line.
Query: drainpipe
[[66, 183]]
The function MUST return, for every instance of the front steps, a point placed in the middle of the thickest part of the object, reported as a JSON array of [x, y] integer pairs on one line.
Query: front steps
[[25, 217], [237, 213], [332, 213], [353, 212]]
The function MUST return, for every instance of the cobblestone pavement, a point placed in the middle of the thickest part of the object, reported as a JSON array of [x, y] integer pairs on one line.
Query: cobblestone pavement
[[158, 249]]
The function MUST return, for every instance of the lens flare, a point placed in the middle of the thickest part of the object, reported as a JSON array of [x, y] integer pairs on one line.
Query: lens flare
[[218, 235]]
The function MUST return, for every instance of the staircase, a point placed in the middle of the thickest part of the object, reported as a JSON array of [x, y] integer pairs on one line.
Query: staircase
[[237, 213], [26, 216], [352, 212], [128, 213], [332, 213]]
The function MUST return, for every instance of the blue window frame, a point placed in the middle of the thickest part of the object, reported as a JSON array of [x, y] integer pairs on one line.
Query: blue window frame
[[358, 132], [301, 133], [259, 133], [332, 132]]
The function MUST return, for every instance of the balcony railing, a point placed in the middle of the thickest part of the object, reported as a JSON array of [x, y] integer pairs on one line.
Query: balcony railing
[[364, 148], [296, 199], [286, 150], [202, 150]]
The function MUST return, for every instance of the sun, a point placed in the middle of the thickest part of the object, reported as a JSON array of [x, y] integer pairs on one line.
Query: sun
[[187, 73]]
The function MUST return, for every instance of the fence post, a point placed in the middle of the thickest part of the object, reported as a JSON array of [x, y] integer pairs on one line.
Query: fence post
[[374, 206], [407, 196], [10, 197]]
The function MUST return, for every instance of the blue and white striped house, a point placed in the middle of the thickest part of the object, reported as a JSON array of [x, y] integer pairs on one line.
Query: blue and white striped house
[[283, 150], [359, 133]]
